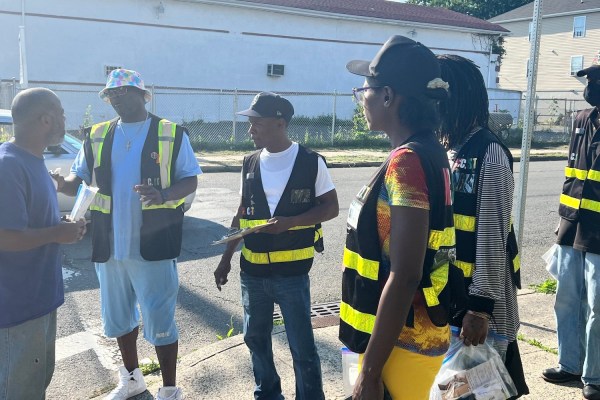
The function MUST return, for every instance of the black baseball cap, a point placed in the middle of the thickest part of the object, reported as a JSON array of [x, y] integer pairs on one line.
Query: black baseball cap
[[404, 65], [592, 72], [269, 105]]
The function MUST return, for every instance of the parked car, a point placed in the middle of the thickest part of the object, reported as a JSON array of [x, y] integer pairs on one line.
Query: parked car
[[62, 156]]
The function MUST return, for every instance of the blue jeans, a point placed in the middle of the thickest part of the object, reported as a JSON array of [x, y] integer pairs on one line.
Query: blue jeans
[[27, 358], [292, 293], [577, 309]]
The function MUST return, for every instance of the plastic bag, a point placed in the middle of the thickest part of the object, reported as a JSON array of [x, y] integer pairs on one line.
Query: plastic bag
[[551, 259], [472, 373]]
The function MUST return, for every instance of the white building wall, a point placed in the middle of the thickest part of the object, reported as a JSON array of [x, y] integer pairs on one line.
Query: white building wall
[[197, 45]]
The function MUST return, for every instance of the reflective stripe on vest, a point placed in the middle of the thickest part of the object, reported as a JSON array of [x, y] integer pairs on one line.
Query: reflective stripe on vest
[[251, 223], [360, 321], [592, 205], [366, 268], [464, 222], [466, 267], [101, 203], [278, 256], [165, 155], [445, 238], [580, 174], [439, 280], [97, 135], [166, 140], [569, 201]]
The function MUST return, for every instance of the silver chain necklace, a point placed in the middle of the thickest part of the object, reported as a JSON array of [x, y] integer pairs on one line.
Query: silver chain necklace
[[128, 144]]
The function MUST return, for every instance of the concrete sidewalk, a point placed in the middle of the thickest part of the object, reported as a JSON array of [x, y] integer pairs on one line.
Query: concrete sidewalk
[[231, 161], [223, 369]]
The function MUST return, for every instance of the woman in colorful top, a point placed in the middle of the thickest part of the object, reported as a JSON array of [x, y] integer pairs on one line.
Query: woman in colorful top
[[483, 184], [400, 231]]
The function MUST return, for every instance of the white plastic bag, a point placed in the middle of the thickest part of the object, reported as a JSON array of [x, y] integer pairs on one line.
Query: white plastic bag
[[472, 373], [551, 259]]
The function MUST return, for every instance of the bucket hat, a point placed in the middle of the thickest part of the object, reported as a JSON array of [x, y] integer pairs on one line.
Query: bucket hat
[[124, 77]]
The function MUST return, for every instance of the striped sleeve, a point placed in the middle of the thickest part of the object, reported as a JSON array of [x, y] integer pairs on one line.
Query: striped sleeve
[[492, 280]]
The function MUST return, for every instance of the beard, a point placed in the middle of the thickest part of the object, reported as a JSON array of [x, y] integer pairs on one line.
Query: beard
[[591, 94]]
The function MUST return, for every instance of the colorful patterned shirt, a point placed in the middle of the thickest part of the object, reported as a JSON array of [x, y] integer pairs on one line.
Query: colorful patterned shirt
[[405, 185]]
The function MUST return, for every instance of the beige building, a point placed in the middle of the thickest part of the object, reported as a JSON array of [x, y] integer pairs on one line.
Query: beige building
[[570, 41]]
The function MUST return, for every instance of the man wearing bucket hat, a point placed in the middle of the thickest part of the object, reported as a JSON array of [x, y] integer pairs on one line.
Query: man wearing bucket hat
[[577, 304], [289, 186], [144, 166]]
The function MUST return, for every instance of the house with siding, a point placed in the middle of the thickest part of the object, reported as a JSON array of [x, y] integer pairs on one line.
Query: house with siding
[[570, 41]]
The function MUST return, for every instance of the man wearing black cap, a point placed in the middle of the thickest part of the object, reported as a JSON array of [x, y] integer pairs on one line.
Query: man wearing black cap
[[577, 304], [288, 186]]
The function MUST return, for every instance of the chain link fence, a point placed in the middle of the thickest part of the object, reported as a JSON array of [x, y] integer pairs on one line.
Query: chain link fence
[[321, 119]]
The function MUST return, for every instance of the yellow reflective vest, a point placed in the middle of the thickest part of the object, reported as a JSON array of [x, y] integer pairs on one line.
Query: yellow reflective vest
[[580, 199], [161, 230], [363, 280], [291, 252]]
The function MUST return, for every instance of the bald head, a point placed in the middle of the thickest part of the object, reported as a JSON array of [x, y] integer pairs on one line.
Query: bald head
[[29, 105]]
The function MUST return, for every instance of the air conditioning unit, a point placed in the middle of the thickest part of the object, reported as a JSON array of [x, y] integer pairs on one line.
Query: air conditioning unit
[[275, 69]]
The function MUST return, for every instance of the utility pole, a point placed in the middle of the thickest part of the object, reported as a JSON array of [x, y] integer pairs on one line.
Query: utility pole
[[528, 121], [23, 79]]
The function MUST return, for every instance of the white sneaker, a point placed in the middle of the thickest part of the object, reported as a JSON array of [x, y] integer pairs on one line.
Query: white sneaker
[[169, 393], [130, 384]]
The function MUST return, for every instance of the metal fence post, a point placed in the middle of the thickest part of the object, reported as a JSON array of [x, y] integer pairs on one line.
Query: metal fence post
[[234, 119], [153, 102], [334, 116]]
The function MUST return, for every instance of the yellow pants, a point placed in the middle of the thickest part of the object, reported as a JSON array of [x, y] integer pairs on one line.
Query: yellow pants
[[408, 375]]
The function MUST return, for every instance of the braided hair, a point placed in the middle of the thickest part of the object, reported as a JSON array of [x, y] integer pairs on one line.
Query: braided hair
[[468, 105]]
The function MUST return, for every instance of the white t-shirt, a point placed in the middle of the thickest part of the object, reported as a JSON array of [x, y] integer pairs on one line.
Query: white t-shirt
[[275, 172]]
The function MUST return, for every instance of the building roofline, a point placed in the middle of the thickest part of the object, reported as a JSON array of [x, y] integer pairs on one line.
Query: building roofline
[[348, 17], [563, 14]]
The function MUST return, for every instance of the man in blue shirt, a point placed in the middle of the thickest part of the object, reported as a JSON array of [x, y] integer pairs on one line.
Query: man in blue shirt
[[144, 167], [31, 285]]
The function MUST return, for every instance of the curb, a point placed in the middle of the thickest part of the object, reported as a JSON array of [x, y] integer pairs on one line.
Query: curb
[[208, 168]]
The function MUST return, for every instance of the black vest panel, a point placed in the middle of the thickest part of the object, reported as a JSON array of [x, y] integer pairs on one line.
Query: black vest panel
[[297, 198]]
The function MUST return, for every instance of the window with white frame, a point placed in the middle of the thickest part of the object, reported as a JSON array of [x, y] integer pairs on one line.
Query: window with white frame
[[579, 26], [576, 64]]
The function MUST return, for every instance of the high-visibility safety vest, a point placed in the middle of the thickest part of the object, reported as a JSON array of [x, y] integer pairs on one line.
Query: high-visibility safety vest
[[363, 281], [161, 231], [291, 252], [465, 175], [580, 199]]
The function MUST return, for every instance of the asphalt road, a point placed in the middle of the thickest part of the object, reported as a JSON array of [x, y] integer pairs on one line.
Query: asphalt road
[[87, 360]]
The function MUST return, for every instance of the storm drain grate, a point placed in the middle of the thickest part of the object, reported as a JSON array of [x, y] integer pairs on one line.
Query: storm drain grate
[[316, 310]]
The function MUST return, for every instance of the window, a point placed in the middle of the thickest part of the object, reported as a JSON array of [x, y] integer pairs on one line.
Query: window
[[275, 69], [579, 27], [576, 64], [110, 68]]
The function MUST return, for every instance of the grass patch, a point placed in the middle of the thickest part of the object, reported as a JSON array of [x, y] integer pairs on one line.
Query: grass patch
[[149, 366], [230, 332], [546, 287], [536, 343]]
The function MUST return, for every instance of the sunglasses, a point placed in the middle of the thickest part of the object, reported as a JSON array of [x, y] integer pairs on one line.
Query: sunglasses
[[118, 91], [359, 93]]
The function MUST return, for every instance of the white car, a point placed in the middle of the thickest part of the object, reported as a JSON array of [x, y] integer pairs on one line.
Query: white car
[[61, 156]]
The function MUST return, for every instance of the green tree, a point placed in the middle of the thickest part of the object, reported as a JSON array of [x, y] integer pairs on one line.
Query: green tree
[[484, 9]]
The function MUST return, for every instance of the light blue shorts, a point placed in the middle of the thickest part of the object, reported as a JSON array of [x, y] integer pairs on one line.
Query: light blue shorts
[[151, 284]]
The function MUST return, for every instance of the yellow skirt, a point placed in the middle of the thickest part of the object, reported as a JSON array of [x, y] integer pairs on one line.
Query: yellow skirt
[[408, 375]]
